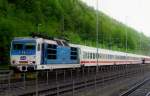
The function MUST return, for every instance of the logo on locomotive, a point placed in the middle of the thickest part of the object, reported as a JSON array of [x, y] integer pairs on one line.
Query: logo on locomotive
[[23, 58]]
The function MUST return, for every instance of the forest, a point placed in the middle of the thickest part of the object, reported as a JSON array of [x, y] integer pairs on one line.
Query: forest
[[70, 19]]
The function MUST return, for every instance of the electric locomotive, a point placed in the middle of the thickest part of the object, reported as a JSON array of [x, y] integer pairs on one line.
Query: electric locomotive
[[29, 54]]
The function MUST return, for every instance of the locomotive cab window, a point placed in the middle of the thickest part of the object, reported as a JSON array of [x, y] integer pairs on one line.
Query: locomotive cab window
[[17, 46], [30, 46]]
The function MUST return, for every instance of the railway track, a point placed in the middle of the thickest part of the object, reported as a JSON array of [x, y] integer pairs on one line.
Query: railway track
[[135, 88], [5, 74], [70, 86], [148, 94]]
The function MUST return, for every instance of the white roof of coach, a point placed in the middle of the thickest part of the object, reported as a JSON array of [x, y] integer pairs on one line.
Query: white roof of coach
[[92, 49], [106, 51]]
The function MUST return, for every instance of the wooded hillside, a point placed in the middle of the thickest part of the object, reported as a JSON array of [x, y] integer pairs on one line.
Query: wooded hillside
[[71, 19]]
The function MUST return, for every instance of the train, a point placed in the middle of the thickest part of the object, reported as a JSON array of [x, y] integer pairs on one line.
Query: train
[[37, 53]]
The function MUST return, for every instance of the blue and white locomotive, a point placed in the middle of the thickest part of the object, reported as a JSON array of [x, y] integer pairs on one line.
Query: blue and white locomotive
[[38, 54], [30, 53]]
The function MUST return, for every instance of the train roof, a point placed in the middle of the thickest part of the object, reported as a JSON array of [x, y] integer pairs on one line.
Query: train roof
[[106, 51], [83, 47]]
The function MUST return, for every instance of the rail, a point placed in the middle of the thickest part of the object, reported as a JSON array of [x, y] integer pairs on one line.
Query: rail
[[148, 94], [5, 74], [131, 90], [73, 86]]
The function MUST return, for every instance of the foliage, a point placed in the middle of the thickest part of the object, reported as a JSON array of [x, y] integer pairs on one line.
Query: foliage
[[71, 19]]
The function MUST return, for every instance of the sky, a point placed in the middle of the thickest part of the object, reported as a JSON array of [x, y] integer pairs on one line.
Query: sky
[[134, 13]]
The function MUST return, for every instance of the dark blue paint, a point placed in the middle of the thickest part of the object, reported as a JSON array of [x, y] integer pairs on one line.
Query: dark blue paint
[[24, 41]]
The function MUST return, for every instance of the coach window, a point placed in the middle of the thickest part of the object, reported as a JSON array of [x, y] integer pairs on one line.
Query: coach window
[[100, 56], [83, 55], [106, 56], [93, 55], [103, 56], [116, 57], [109, 56], [112, 56], [87, 55], [119, 57], [90, 55]]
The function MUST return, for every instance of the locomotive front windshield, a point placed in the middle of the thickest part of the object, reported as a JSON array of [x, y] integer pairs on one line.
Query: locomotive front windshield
[[17, 46], [24, 46], [30, 46]]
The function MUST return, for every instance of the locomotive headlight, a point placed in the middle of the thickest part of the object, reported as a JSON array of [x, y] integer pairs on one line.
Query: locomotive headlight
[[33, 62], [13, 62]]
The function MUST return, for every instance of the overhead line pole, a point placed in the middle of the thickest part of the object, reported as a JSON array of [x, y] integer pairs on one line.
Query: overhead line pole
[[126, 38], [97, 29], [126, 45]]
